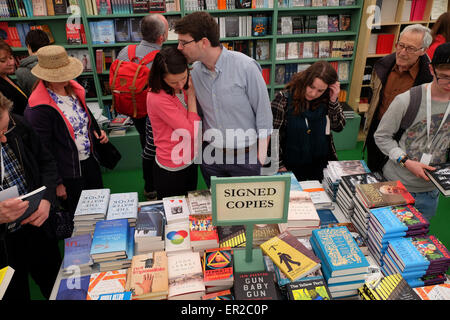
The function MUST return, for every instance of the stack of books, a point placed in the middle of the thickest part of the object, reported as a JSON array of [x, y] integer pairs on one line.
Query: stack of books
[[148, 276], [150, 227], [92, 207], [199, 202], [202, 233], [344, 266], [112, 244], [434, 292], [77, 257], [335, 170], [347, 190], [387, 223], [218, 269], [376, 195], [318, 194], [185, 276], [176, 209], [255, 286], [302, 214], [123, 206], [177, 239], [392, 287]]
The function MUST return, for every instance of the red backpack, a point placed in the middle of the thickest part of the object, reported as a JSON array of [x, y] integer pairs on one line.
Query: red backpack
[[129, 84]]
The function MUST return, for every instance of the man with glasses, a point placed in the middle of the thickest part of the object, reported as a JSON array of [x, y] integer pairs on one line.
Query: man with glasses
[[27, 165], [426, 141], [392, 75], [232, 98]]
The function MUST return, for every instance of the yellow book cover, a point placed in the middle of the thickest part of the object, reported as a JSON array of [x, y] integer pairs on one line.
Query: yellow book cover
[[6, 275], [291, 256]]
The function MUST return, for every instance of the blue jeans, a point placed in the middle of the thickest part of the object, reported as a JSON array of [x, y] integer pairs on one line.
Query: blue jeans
[[426, 203]]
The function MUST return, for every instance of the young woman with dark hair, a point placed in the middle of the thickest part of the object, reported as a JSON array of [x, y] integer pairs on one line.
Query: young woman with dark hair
[[172, 110], [440, 33], [304, 113]]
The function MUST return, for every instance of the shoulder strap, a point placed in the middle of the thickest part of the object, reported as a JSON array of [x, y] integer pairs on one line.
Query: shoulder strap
[[132, 52], [149, 57], [415, 99]]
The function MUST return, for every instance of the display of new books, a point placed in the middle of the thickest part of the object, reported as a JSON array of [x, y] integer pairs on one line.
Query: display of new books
[[110, 240], [73, 288], [392, 287], [255, 286], [403, 218], [123, 263], [92, 205], [340, 252], [302, 211], [435, 252], [6, 275], [177, 238], [185, 277], [34, 199], [441, 177], [77, 254], [148, 277], [176, 209], [199, 202], [291, 256], [382, 194], [203, 234], [318, 194], [314, 289], [123, 206], [218, 267], [106, 282], [231, 236], [150, 227]]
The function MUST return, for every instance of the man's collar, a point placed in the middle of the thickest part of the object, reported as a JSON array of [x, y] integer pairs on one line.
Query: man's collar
[[413, 70], [219, 62]]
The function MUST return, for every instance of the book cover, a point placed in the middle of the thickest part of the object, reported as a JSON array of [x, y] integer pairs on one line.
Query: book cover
[[388, 220], [243, 4], [217, 266], [110, 239], [105, 30], [291, 256], [150, 220], [135, 29], [345, 22], [92, 202], [149, 276], [122, 30], [441, 177], [433, 250], [115, 296], [185, 275], [199, 202], [123, 206], [60, 7], [201, 228], [177, 237], [106, 282], [176, 209], [73, 288], [341, 253], [260, 25], [6, 275], [350, 181], [140, 6], [314, 289], [231, 236], [34, 199], [382, 194], [255, 286], [434, 292], [302, 210], [333, 23], [220, 295], [77, 251], [409, 257]]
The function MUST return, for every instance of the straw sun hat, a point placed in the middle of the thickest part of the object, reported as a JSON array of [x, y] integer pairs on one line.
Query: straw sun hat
[[55, 65]]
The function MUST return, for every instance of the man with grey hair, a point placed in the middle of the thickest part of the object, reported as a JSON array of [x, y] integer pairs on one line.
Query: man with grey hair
[[392, 75], [155, 30]]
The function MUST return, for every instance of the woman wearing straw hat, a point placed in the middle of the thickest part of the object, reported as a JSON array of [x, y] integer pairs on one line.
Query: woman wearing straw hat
[[57, 111]]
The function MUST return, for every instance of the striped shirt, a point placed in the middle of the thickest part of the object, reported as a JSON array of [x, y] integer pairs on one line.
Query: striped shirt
[[14, 172]]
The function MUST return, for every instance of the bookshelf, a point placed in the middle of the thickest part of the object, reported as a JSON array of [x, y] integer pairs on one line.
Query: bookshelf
[[393, 19], [279, 9]]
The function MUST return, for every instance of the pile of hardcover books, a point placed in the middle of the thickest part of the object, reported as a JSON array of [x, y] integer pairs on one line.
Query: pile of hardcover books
[[335, 170], [376, 195], [123, 206], [421, 261], [77, 256], [150, 227], [92, 207], [218, 269], [302, 214], [202, 233], [319, 196], [391, 287], [344, 266], [388, 223]]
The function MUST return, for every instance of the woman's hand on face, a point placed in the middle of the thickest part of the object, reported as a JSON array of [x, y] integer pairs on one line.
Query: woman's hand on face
[[191, 90], [335, 88], [103, 137]]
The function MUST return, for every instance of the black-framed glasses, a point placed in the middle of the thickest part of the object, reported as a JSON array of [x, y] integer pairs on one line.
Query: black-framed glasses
[[408, 49], [441, 81], [184, 43]]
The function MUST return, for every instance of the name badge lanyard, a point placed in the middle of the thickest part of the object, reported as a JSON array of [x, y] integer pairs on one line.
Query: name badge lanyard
[[429, 119]]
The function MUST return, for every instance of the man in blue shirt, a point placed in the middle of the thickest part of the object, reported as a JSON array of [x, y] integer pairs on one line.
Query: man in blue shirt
[[233, 100]]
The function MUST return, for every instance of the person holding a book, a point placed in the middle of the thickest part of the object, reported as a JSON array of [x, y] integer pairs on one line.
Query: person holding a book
[[393, 74], [8, 86], [304, 113], [34, 40], [172, 110], [57, 110], [30, 248], [233, 100], [426, 141]]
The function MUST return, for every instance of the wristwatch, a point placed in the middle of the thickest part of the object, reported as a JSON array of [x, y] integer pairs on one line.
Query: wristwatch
[[402, 160]]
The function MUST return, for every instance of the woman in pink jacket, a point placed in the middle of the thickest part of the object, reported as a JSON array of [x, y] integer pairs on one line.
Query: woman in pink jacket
[[172, 110]]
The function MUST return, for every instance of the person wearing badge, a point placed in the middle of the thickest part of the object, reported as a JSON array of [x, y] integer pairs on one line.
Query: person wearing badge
[[426, 141]]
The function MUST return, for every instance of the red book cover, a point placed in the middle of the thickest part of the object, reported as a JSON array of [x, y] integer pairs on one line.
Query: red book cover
[[383, 194], [83, 34], [385, 43], [266, 75], [99, 60], [217, 264], [419, 10], [201, 228], [73, 34]]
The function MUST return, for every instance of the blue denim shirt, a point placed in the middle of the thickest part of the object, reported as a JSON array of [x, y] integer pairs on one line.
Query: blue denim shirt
[[233, 97]]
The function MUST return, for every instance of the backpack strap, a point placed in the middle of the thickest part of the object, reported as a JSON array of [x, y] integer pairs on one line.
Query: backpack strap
[[149, 57], [415, 100], [132, 52]]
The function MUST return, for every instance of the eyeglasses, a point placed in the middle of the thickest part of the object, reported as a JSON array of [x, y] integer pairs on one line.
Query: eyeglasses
[[408, 49], [184, 43], [441, 81]]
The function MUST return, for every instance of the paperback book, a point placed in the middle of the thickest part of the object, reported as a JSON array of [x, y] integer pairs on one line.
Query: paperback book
[[382, 194], [106, 282], [441, 177], [255, 286], [314, 289], [176, 209], [185, 277]]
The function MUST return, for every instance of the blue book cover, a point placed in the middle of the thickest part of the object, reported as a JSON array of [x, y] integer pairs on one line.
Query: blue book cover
[[326, 217], [260, 25], [341, 253], [130, 246], [413, 273], [77, 250], [94, 32], [73, 288], [110, 237], [407, 254], [388, 220], [105, 30], [115, 296], [295, 185]]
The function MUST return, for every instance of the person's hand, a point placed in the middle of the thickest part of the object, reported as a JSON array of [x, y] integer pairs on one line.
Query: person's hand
[[191, 90], [282, 169], [11, 209], [103, 137], [38, 217], [61, 191], [418, 169], [335, 88]]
